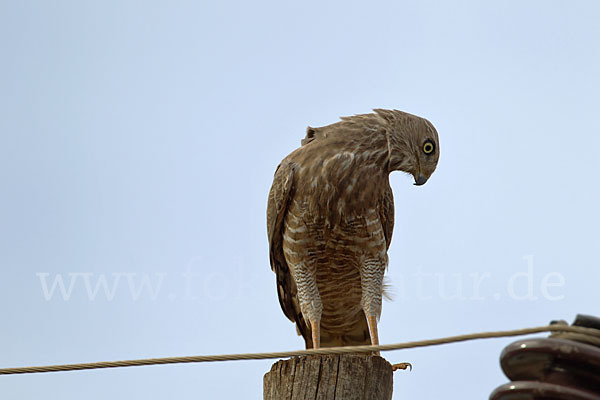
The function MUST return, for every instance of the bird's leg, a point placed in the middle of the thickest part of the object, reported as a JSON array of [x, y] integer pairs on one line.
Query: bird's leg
[[371, 278], [310, 301], [372, 321], [316, 334]]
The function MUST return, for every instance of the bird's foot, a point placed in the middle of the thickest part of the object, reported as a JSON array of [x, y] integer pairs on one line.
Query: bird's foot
[[404, 366]]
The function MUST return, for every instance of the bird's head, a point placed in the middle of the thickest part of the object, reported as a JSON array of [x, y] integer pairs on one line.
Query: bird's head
[[413, 144]]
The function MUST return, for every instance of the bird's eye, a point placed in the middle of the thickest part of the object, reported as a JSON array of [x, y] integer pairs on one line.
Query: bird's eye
[[428, 147]]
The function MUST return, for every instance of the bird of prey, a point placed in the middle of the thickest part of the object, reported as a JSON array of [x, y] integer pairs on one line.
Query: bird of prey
[[330, 218]]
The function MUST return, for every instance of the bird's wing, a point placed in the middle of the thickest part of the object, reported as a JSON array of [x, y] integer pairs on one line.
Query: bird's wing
[[386, 214], [280, 196]]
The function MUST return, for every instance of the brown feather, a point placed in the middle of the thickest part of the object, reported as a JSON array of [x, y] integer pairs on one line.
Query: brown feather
[[279, 197], [331, 211]]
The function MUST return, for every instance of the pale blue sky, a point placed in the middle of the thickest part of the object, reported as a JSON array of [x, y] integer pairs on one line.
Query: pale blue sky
[[138, 140]]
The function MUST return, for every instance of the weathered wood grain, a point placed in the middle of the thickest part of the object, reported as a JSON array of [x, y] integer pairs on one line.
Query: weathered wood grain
[[344, 376]]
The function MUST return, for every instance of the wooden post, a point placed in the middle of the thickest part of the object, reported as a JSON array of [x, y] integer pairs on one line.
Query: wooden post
[[343, 376]]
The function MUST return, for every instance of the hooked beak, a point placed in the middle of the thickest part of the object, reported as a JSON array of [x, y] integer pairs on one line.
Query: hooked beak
[[420, 180]]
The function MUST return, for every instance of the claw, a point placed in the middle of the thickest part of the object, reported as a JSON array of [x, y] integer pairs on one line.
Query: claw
[[404, 365]]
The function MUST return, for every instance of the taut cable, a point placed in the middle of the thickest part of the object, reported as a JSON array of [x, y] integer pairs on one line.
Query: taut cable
[[589, 333]]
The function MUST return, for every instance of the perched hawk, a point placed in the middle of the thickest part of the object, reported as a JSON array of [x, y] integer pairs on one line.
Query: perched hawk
[[330, 218]]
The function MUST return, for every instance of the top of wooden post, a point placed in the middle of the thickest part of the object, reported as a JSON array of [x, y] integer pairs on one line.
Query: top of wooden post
[[339, 376]]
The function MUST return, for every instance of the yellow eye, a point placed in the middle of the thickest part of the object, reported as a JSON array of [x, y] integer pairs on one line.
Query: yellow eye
[[428, 147]]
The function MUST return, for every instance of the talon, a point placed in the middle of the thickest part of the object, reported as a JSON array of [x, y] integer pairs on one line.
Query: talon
[[405, 365]]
